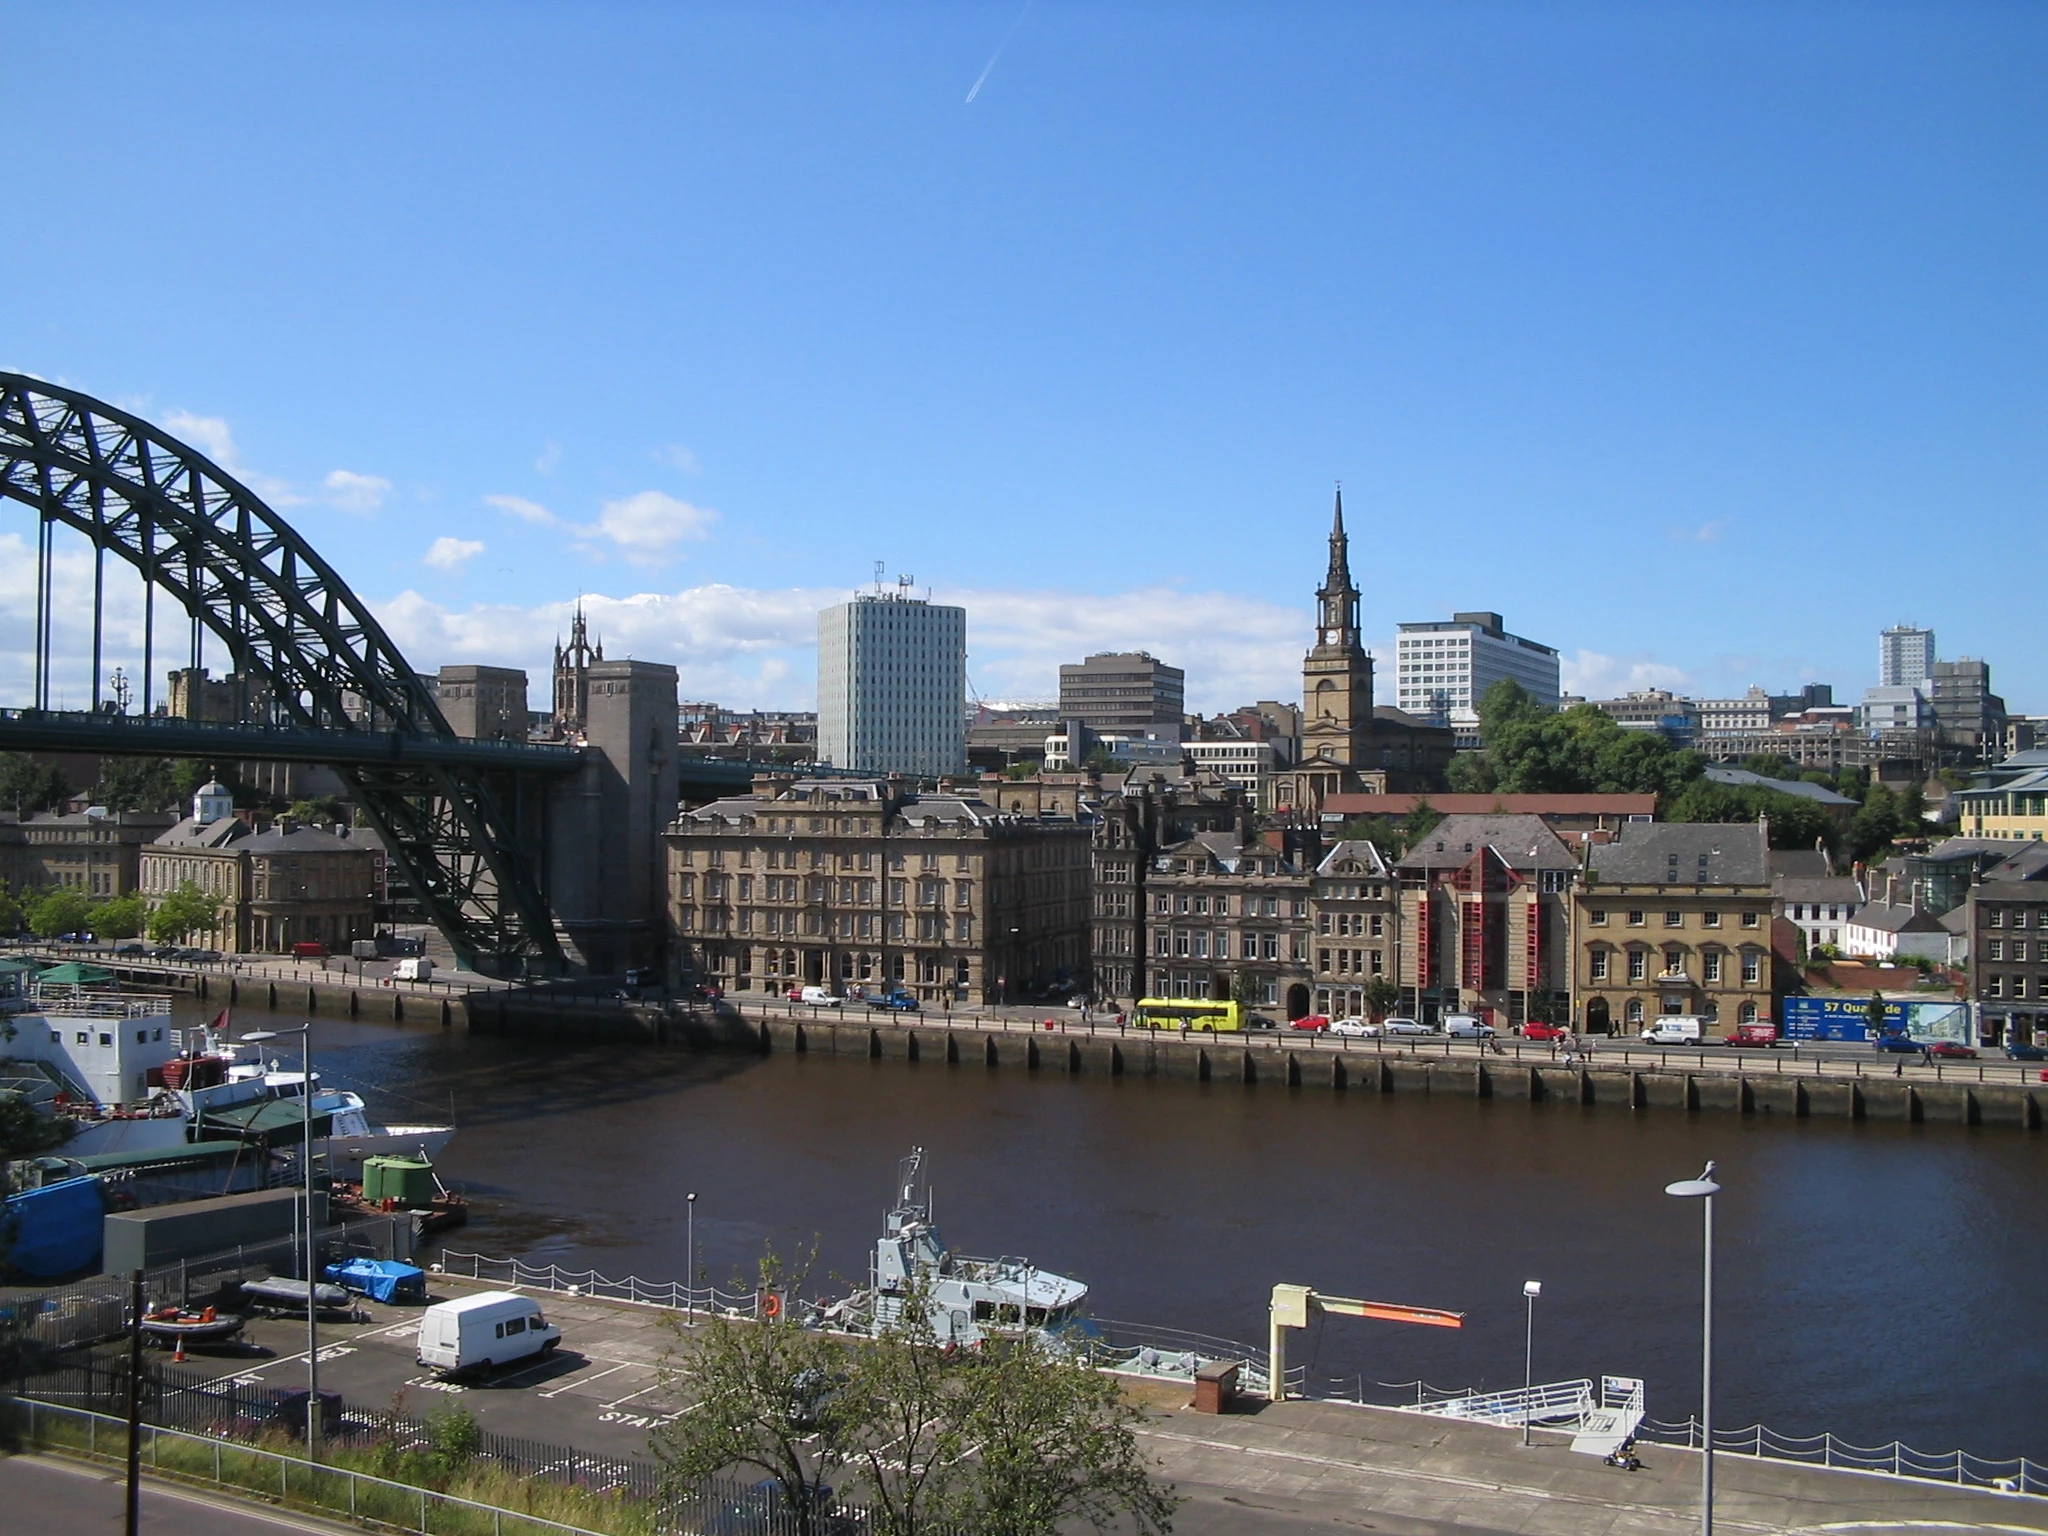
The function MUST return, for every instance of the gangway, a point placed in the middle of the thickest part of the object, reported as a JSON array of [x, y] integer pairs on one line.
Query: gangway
[[1292, 1305], [1598, 1424]]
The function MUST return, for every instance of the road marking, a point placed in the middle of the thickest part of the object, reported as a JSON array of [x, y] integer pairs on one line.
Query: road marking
[[581, 1381], [651, 1386]]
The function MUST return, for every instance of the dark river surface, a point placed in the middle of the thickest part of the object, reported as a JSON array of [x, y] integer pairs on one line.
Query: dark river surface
[[1873, 1280]]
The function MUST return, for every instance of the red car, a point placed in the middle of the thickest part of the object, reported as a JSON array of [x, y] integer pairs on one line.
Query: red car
[[1544, 1031], [1312, 1021], [1952, 1050]]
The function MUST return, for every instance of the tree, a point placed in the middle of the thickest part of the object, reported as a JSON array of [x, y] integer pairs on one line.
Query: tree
[[12, 918], [121, 918], [321, 810], [771, 1398], [1795, 823], [26, 1131], [27, 785], [184, 912], [59, 910], [1382, 997], [1873, 1014], [136, 784]]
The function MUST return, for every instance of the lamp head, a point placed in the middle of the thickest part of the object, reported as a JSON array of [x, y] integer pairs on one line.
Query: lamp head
[[1692, 1189], [1532, 1288], [691, 1197], [257, 1036]]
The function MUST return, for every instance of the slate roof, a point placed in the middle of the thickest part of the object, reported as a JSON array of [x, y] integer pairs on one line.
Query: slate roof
[[1882, 917], [1841, 890], [1706, 853], [213, 834], [1359, 850], [2030, 863], [1523, 842], [1801, 864], [1742, 778], [300, 840]]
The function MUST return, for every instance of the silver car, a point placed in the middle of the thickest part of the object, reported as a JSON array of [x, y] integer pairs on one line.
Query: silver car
[[1406, 1027]]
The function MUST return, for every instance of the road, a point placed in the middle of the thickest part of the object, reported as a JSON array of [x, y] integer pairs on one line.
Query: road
[[49, 1497]]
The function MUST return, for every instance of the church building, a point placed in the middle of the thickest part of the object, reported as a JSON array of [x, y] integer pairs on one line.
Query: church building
[[1348, 744]]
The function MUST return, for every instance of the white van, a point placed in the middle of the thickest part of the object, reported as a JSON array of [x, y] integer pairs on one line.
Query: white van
[[1676, 1029], [479, 1332], [820, 997], [414, 968], [1467, 1026]]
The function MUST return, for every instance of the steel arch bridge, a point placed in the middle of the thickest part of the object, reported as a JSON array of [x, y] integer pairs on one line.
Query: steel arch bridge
[[338, 690]]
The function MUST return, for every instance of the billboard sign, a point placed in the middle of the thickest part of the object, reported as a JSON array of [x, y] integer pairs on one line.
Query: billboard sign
[[1847, 1019]]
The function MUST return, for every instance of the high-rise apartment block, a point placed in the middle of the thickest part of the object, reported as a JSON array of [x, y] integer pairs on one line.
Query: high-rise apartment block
[[1905, 657], [892, 681], [1130, 693], [1442, 670]]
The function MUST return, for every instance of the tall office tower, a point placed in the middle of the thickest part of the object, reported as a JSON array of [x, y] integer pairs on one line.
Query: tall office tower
[[892, 680], [1443, 670], [1905, 657], [1125, 693]]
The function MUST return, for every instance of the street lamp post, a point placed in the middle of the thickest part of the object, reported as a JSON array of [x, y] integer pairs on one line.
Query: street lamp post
[[304, 1032], [1703, 1189], [690, 1248], [1530, 1289]]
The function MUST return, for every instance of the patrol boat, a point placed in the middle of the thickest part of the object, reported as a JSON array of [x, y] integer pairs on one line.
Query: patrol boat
[[964, 1300]]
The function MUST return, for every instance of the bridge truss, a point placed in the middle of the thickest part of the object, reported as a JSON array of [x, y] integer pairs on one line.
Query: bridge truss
[[450, 814]]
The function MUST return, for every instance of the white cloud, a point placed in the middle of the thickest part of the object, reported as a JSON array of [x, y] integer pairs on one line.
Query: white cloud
[[526, 511], [1706, 533], [351, 492], [1594, 676], [676, 456], [648, 525], [750, 648], [212, 437], [451, 555]]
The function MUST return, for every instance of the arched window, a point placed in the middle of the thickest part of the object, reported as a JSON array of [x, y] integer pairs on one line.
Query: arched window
[[1634, 1011], [1747, 1015]]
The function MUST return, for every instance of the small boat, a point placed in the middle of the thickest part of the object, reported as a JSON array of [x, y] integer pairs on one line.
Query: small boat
[[279, 1294], [171, 1327], [967, 1300]]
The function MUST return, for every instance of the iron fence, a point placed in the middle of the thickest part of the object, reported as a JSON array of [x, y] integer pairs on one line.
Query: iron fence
[[2011, 1474], [588, 1282]]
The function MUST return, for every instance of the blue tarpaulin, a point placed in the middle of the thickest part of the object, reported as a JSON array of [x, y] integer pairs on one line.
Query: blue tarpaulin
[[54, 1230], [380, 1279]]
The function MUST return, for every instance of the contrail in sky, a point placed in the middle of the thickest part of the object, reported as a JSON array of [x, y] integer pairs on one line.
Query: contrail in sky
[[991, 64]]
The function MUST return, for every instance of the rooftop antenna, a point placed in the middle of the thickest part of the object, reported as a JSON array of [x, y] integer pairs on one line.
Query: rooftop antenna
[[879, 564], [904, 584]]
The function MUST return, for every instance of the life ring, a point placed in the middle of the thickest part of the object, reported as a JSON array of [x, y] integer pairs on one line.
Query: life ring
[[772, 1307]]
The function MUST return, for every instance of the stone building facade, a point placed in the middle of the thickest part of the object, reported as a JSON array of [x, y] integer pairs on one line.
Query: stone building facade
[[1485, 919], [97, 855], [1136, 818], [869, 884], [1357, 917], [2008, 930], [1675, 918], [1229, 917]]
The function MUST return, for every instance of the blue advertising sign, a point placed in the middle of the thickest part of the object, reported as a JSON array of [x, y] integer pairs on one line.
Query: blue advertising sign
[[1848, 1018]]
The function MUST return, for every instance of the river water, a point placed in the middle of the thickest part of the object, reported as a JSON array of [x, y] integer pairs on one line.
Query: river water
[[1873, 1280]]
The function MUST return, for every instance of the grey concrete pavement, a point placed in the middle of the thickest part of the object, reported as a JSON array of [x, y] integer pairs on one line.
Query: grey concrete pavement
[[43, 1496]]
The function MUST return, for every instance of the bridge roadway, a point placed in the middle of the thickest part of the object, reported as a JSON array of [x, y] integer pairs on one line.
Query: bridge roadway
[[108, 735], [1279, 1468]]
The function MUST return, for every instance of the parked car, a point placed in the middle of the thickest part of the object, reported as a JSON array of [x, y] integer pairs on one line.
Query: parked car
[[1467, 1026], [707, 991], [1952, 1050], [2019, 1050], [1361, 1028], [1312, 1021], [1541, 1031], [1675, 1029], [818, 997], [1251, 1021], [129, 951], [206, 956], [900, 1002], [309, 949], [1406, 1027], [1753, 1035], [1898, 1043]]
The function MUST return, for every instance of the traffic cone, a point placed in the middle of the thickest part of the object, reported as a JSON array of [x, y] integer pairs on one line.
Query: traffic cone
[[178, 1352]]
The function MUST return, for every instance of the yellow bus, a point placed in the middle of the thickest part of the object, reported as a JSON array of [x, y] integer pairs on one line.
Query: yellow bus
[[1191, 1013]]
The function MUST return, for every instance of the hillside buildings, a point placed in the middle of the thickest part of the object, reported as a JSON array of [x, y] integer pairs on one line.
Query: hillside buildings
[[1125, 693], [1442, 670], [2008, 928], [1230, 918], [95, 852], [1357, 931], [892, 681]]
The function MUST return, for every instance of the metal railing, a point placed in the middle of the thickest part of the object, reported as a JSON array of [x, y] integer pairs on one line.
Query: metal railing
[[2011, 1474], [672, 1294]]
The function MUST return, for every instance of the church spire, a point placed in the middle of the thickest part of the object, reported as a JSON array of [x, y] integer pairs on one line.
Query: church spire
[[1339, 579]]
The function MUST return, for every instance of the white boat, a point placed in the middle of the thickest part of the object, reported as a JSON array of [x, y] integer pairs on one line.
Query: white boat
[[966, 1300]]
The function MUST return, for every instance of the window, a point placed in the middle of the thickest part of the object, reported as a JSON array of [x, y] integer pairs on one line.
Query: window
[[1598, 968], [1998, 917], [1749, 919], [1634, 1011], [1710, 919], [1994, 986], [1597, 916], [1710, 965], [1752, 969], [1635, 919], [1638, 964], [1674, 919], [1746, 1014]]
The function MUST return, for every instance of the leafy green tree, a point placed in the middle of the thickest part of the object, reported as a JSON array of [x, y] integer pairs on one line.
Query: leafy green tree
[[1382, 997], [136, 784], [321, 810], [120, 918], [59, 910], [1795, 823], [12, 918], [184, 912], [27, 785], [26, 1131], [1882, 818], [1504, 705]]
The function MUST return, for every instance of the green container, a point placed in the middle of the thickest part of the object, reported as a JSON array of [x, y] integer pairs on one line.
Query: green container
[[407, 1182]]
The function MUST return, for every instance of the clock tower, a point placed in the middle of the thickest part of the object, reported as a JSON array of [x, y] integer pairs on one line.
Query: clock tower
[[1336, 675]]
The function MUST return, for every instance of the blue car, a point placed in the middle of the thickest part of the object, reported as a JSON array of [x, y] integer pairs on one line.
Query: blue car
[[2016, 1050], [1897, 1043], [902, 1002]]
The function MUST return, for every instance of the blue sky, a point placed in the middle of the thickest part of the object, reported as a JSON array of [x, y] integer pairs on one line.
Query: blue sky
[[1701, 341]]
